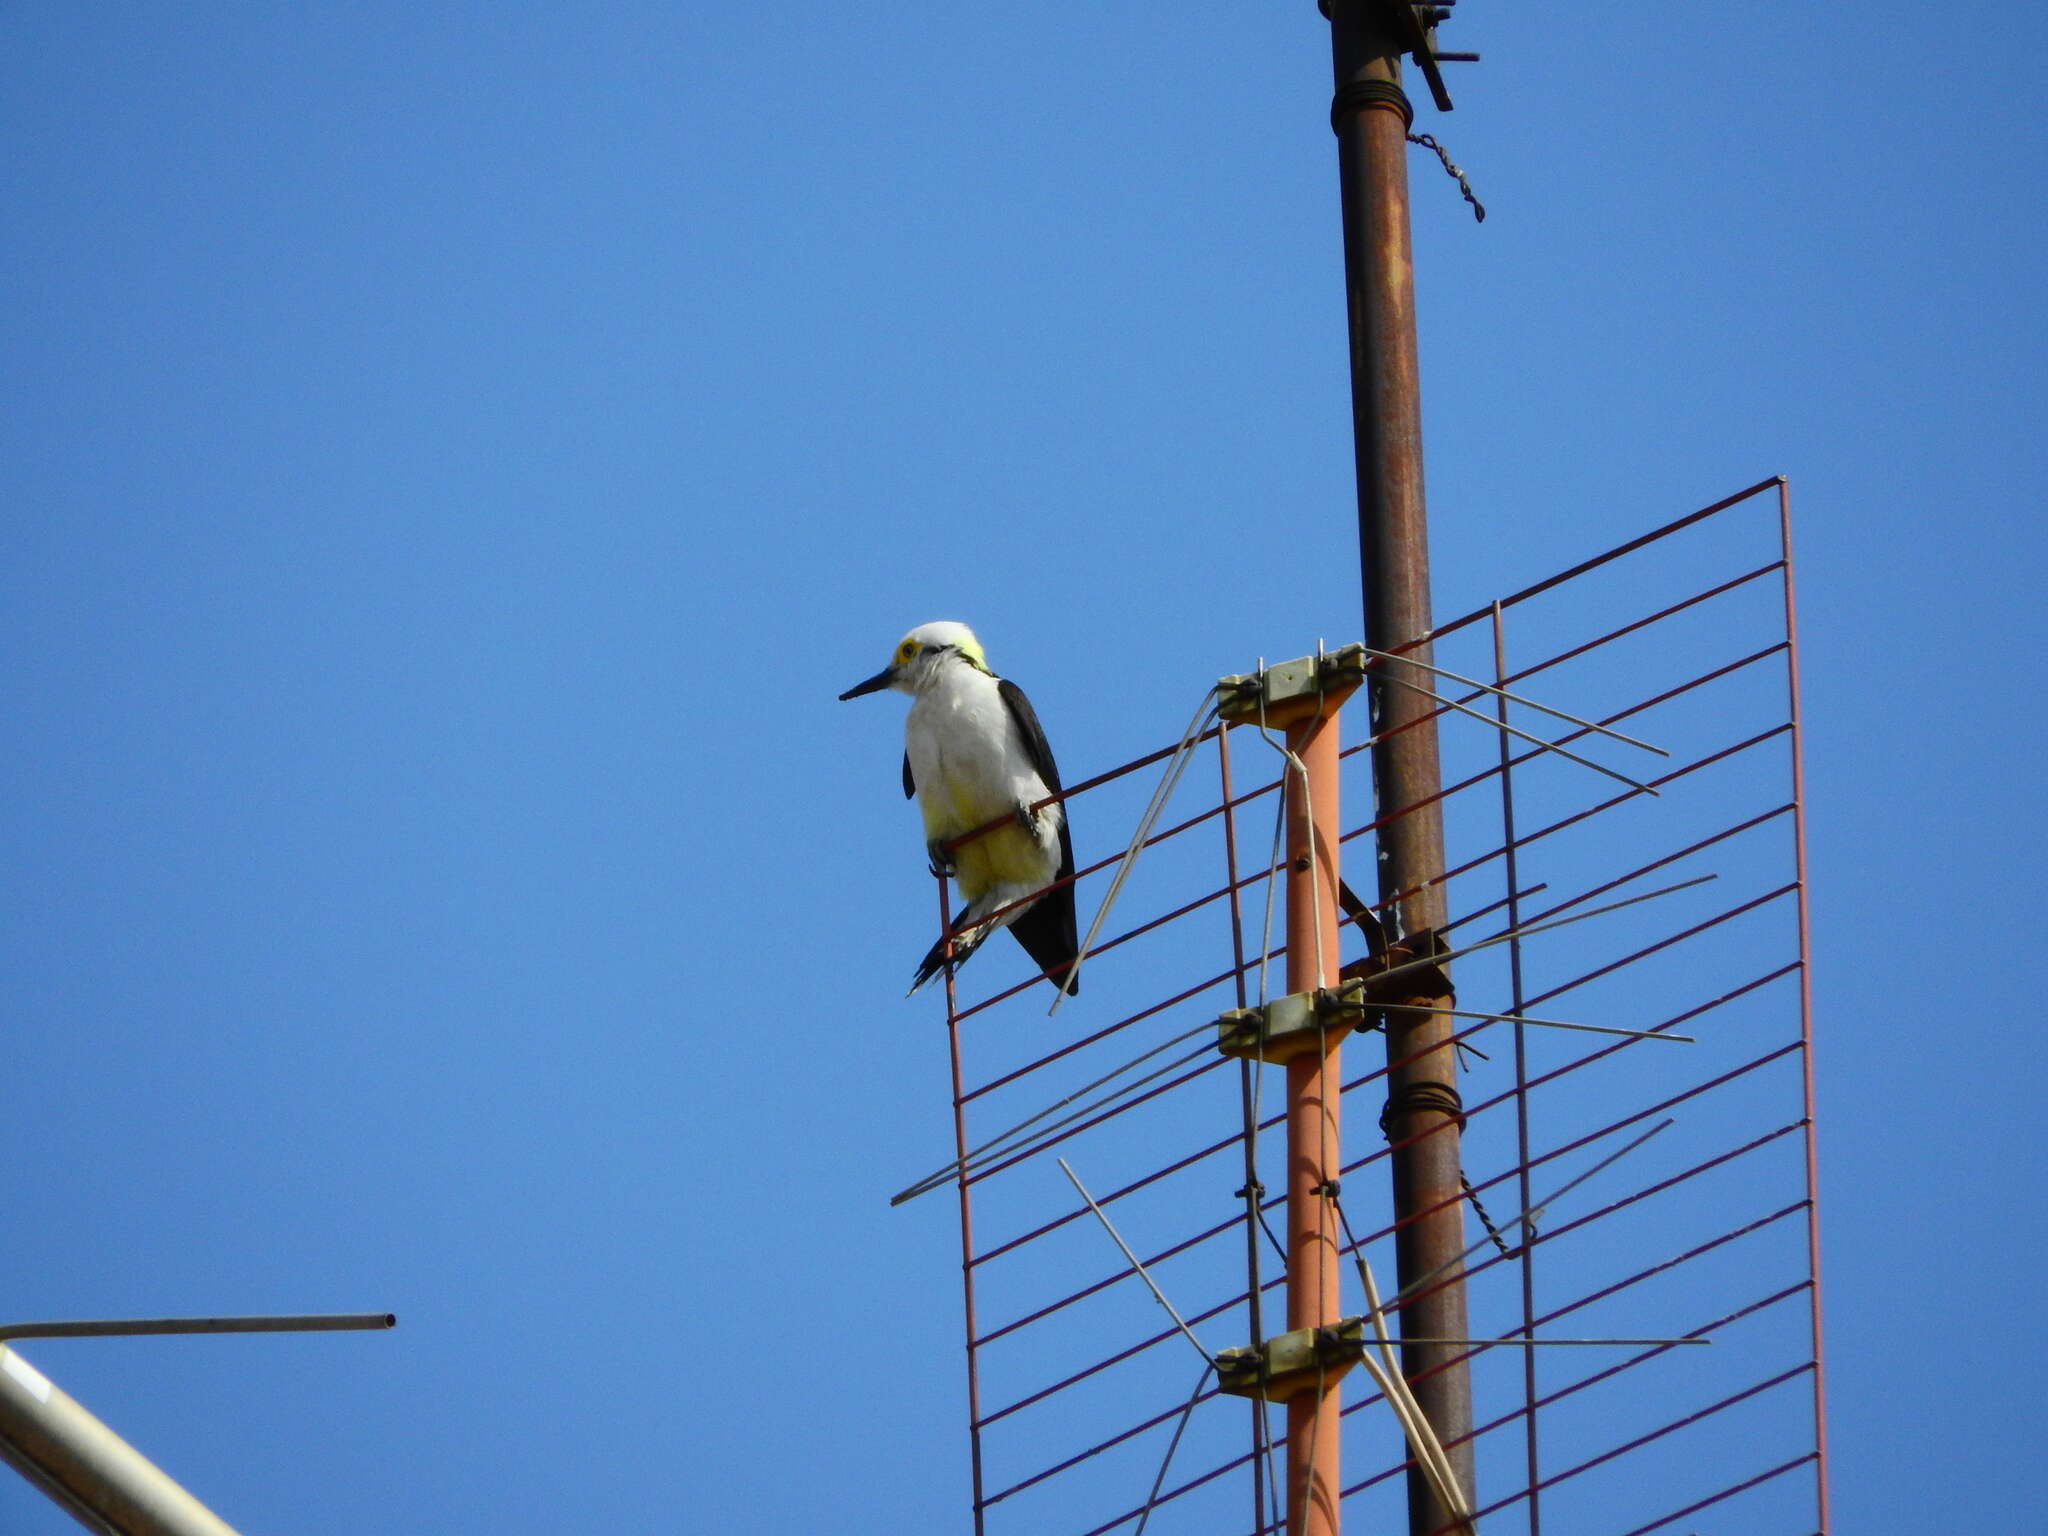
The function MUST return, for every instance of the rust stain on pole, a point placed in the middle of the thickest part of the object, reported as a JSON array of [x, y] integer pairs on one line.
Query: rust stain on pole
[[1314, 1088], [1371, 115]]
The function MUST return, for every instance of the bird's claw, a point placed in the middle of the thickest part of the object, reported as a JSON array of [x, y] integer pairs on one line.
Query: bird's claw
[[1028, 820], [937, 860]]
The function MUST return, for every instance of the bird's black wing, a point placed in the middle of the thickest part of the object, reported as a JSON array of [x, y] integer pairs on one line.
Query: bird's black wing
[[1032, 734], [909, 784], [1047, 928]]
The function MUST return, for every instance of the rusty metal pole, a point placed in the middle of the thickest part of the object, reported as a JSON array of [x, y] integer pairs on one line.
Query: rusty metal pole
[[1370, 114], [1314, 1089]]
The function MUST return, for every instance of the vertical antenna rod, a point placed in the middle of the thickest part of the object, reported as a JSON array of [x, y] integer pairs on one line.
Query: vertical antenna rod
[[1371, 114]]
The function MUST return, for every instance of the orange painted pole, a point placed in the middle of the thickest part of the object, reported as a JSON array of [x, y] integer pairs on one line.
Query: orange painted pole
[[1314, 1083]]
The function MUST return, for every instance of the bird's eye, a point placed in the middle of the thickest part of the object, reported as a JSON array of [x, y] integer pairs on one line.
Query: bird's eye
[[906, 650]]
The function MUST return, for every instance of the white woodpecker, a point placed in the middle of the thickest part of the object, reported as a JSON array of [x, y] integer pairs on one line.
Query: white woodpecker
[[973, 752]]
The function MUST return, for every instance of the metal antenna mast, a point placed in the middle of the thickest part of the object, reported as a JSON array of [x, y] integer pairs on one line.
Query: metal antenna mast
[[1371, 115]]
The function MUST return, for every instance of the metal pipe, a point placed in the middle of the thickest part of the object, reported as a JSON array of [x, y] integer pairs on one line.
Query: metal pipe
[[97, 1477], [1370, 115], [1314, 1082]]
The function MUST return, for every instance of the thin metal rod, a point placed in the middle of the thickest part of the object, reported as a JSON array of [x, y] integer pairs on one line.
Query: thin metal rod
[[1554, 1234], [1569, 1147], [1820, 1399], [1492, 907], [1248, 1085], [1511, 874], [1547, 923], [1660, 781], [1395, 816], [1122, 1435], [1143, 1274], [1558, 658], [1726, 1493], [1104, 1033], [1071, 1127], [992, 1147], [1534, 740], [1658, 863], [1525, 1218], [1152, 1498], [1519, 1019], [1269, 1123], [966, 1233], [1385, 1152], [1607, 1373], [1605, 557], [1656, 1434], [1662, 944], [1522, 933], [1168, 782], [1664, 1266], [1649, 1190], [1600, 1055], [1532, 1343], [122, 1327], [1500, 693], [1623, 631]]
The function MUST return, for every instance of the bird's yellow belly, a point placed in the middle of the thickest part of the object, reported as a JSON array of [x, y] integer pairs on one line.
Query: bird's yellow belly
[[1007, 854]]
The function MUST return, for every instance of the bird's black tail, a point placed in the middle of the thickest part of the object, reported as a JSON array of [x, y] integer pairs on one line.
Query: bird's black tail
[[1048, 935], [934, 959], [1045, 929]]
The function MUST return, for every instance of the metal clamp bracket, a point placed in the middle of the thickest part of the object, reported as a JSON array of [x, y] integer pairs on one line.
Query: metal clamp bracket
[[1288, 1026], [1291, 691], [1408, 968], [1289, 1363]]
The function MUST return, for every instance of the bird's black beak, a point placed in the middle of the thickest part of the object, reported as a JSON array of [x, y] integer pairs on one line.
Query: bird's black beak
[[880, 680]]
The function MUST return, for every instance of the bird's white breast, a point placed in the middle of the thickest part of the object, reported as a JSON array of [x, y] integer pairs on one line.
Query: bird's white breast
[[970, 766]]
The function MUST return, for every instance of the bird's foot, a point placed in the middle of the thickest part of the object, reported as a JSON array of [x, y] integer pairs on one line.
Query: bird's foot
[[939, 861], [1030, 821]]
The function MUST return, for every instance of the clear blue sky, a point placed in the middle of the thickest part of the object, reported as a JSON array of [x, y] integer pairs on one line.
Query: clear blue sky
[[452, 456]]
